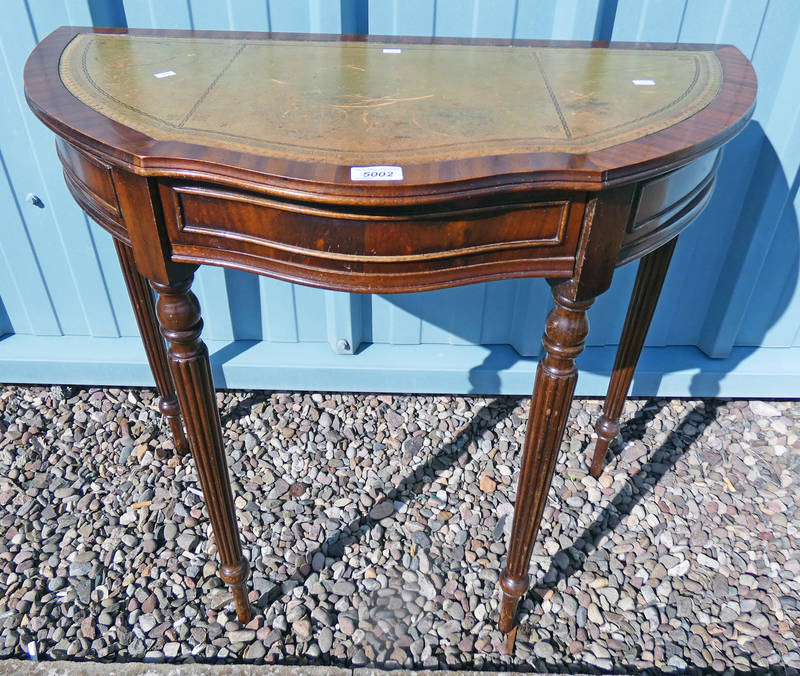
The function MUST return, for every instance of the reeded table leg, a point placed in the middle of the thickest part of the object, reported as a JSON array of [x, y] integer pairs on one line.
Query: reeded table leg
[[646, 290], [179, 315], [142, 301], [565, 332]]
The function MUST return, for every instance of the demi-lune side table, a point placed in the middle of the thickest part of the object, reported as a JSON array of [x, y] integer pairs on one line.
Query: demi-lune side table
[[383, 165]]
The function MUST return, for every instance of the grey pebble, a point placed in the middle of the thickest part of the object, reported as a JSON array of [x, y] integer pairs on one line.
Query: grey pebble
[[391, 555]]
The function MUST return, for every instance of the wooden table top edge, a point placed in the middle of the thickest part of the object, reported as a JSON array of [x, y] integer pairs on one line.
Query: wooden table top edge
[[669, 148]]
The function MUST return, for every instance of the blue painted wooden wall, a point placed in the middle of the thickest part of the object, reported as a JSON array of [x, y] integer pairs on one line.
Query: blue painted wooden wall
[[728, 323]]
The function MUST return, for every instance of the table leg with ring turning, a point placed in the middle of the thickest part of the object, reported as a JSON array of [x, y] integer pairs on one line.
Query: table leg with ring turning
[[179, 315], [646, 290], [143, 309], [565, 332]]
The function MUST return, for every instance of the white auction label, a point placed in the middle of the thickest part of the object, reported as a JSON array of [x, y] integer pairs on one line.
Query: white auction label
[[644, 83], [164, 73], [379, 173], [392, 50]]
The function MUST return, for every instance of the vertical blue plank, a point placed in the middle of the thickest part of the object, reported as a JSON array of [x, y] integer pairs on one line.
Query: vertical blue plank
[[394, 319], [58, 233], [354, 16], [498, 308], [777, 33], [532, 302], [607, 314], [115, 284], [13, 313], [209, 286], [106, 12], [453, 17], [771, 319], [246, 15], [343, 319], [409, 17], [159, 14], [34, 313], [290, 16], [556, 19], [465, 305], [724, 21], [605, 17], [244, 304], [649, 20], [278, 313], [309, 314], [329, 16]]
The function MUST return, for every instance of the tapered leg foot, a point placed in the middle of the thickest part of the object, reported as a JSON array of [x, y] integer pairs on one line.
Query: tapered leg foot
[[179, 315], [565, 332], [646, 290], [143, 309]]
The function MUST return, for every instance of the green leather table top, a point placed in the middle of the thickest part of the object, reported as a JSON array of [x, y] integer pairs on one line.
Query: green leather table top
[[355, 102]]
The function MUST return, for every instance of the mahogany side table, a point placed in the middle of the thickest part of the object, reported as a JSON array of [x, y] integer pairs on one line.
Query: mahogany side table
[[381, 165]]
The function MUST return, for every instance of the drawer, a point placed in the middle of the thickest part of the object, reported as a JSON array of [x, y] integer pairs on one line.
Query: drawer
[[667, 204], [311, 243], [90, 181]]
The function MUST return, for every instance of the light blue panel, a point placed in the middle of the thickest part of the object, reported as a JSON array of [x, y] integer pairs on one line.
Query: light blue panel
[[464, 308], [776, 34], [244, 303], [498, 310], [766, 196], [396, 319], [290, 16], [532, 302], [402, 17], [305, 16], [210, 288], [115, 284], [673, 371], [556, 19], [58, 232], [343, 318], [69, 228], [159, 13], [724, 22], [455, 17], [243, 15], [13, 316], [452, 316], [24, 294], [248, 15], [649, 20], [772, 317], [278, 313], [607, 315], [310, 314], [494, 18]]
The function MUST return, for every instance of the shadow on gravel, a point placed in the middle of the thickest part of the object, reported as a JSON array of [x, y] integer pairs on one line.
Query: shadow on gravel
[[449, 454], [638, 487]]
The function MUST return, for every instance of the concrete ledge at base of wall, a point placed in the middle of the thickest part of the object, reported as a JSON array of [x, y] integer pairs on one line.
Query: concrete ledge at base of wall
[[65, 668]]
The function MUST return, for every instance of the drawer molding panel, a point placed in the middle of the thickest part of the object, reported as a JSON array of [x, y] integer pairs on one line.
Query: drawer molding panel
[[667, 204], [352, 248], [91, 183]]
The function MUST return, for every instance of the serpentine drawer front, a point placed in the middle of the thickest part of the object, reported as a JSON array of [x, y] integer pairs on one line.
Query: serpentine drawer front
[[387, 165], [367, 250]]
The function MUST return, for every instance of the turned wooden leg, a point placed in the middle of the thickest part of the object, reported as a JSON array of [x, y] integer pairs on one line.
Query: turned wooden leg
[[179, 314], [142, 301], [649, 281], [565, 332]]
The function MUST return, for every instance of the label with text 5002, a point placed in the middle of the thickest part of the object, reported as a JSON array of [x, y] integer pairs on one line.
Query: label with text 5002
[[380, 173]]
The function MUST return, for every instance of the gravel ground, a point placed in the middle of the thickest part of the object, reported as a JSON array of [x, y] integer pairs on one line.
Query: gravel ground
[[683, 555]]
